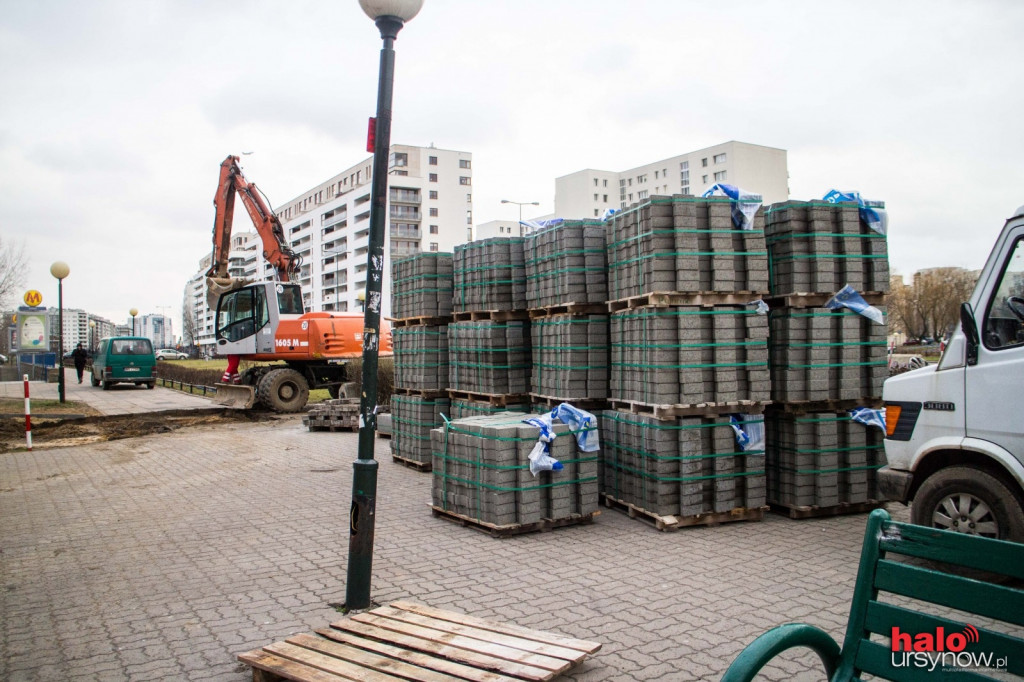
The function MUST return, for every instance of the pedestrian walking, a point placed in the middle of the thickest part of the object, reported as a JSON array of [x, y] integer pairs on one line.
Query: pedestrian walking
[[80, 357]]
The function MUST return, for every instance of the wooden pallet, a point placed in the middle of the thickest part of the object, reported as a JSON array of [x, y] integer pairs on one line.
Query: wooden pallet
[[423, 320], [333, 427], [413, 463], [569, 309], [494, 399], [674, 298], [817, 300], [493, 315], [669, 523], [508, 530], [816, 512], [589, 404], [698, 410], [420, 393], [408, 641]]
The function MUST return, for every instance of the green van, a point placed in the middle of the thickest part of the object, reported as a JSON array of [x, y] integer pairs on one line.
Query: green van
[[128, 359]]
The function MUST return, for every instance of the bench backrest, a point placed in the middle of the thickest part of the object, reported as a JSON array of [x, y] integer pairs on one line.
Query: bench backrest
[[901, 598]]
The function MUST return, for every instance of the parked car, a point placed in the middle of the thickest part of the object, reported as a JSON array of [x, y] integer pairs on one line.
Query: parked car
[[124, 359], [170, 354]]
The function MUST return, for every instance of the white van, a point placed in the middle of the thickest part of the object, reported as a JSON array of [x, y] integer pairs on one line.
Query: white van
[[955, 430]]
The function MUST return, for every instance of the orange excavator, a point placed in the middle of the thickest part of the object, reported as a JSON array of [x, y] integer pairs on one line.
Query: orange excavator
[[291, 350]]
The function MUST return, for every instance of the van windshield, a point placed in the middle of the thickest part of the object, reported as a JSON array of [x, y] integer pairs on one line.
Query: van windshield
[[131, 347]]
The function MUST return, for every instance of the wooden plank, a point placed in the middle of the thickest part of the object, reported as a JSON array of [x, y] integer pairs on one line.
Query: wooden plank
[[498, 650], [384, 664], [446, 649], [815, 512], [319, 661], [284, 668], [533, 646], [580, 645], [443, 665]]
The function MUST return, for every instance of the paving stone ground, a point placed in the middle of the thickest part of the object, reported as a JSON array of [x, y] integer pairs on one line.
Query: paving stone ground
[[161, 558]]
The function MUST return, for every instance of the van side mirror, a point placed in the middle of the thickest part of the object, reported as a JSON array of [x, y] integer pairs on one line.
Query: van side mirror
[[969, 326]]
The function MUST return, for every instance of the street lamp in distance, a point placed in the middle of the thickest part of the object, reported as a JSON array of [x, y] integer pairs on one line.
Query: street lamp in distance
[[520, 204], [389, 16], [133, 312], [60, 270]]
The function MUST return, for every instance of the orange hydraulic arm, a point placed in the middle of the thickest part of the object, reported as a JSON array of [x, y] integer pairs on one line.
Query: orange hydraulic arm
[[275, 248]]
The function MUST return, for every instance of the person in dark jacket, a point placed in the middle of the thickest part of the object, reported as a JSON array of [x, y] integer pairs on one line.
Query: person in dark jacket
[[80, 357]]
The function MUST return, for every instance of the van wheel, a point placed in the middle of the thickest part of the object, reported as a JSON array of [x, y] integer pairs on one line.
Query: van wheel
[[151, 384], [967, 500], [106, 385], [283, 390]]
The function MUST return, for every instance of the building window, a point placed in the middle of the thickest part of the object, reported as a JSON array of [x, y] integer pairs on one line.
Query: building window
[[463, 180], [433, 194], [400, 172], [595, 197], [719, 158], [464, 163], [432, 177], [720, 175], [686, 189], [433, 246], [685, 165], [595, 212], [605, 198], [399, 159], [605, 182], [595, 182], [642, 195], [432, 160], [433, 213], [655, 175], [433, 229], [469, 234], [640, 179], [704, 162], [703, 179]]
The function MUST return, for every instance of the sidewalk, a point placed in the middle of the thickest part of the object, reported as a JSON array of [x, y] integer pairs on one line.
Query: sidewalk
[[162, 558], [119, 399]]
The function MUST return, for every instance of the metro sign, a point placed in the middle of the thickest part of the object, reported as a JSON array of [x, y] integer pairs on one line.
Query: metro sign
[[33, 298]]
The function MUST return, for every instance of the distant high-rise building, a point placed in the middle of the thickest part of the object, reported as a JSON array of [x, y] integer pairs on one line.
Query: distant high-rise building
[[591, 193]]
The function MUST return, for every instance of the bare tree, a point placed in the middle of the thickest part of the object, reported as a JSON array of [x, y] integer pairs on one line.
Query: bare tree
[[13, 270], [189, 323], [931, 305]]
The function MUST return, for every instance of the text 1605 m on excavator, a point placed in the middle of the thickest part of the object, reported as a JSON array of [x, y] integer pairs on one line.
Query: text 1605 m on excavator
[[292, 350]]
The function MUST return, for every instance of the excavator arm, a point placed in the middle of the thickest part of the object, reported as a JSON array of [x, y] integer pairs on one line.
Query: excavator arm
[[275, 247]]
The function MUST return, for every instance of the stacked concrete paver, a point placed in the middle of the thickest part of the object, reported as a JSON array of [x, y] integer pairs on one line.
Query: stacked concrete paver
[[823, 362], [481, 473], [570, 357], [688, 349], [422, 305], [823, 459], [565, 264], [490, 275], [490, 357]]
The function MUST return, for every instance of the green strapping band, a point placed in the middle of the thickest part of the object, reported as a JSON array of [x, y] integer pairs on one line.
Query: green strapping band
[[681, 479], [829, 471], [708, 366], [856, 448], [678, 458], [742, 344], [671, 427], [673, 254]]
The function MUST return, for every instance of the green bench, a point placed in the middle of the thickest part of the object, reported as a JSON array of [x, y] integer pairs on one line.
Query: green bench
[[960, 649]]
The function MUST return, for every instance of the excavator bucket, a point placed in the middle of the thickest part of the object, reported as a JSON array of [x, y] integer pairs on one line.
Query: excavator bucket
[[235, 395]]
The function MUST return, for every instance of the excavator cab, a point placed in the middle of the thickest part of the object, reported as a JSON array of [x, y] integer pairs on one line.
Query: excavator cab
[[247, 317]]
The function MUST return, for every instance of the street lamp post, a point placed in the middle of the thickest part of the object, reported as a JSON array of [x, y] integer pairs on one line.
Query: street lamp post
[[390, 16], [520, 204], [133, 312], [92, 336], [60, 270]]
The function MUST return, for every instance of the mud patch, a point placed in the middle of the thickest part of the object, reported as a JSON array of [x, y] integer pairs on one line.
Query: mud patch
[[57, 432]]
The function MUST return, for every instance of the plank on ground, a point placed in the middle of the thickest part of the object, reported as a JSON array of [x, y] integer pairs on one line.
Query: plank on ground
[[523, 644], [454, 653], [261, 661], [442, 665], [506, 652], [315, 659], [373, 661], [581, 645]]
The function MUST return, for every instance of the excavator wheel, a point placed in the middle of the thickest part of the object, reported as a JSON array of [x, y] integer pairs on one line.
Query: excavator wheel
[[283, 390]]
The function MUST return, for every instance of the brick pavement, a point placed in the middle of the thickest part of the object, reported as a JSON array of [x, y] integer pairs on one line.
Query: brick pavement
[[160, 558]]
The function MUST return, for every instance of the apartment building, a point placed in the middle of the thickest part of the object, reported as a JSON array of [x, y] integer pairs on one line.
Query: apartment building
[[589, 193], [430, 208]]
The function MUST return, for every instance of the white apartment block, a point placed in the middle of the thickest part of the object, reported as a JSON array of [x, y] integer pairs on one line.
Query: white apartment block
[[430, 208], [590, 193], [497, 228]]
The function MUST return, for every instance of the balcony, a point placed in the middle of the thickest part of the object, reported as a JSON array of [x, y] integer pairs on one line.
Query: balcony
[[405, 213], [406, 232], [405, 196], [335, 219]]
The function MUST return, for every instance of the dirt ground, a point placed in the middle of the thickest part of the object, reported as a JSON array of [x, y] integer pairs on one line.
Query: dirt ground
[[68, 426]]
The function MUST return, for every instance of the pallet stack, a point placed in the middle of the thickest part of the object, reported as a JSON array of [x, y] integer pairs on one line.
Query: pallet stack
[[489, 339], [566, 291], [339, 414], [422, 288], [823, 362], [482, 478], [688, 349]]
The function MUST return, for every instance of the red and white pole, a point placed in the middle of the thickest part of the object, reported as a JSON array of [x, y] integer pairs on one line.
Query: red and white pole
[[28, 417]]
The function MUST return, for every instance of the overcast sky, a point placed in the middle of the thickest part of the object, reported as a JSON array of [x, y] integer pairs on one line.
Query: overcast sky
[[115, 114]]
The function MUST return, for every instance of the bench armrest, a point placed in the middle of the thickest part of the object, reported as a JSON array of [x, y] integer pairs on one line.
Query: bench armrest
[[775, 641]]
